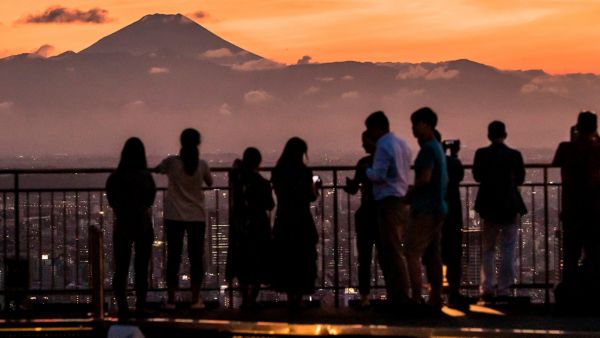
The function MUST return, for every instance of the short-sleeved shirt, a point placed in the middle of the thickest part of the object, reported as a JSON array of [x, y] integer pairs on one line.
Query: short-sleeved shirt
[[185, 198], [431, 199]]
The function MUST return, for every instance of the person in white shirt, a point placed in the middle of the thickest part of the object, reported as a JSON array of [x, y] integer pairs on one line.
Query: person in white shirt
[[184, 212], [390, 177]]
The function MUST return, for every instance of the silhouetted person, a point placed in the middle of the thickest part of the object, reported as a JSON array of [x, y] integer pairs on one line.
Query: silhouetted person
[[452, 228], [579, 161], [294, 232], [365, 218], [390, 175], [499, 170], [428, 208], [130, 191], [184, 212], [250, 230]]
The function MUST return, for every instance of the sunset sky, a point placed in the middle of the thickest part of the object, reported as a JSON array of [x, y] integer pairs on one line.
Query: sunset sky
[[559, 36]]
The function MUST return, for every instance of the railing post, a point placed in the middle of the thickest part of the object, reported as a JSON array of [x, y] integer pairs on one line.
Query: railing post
[[336, 254], [96, 245], [546, 240], [17, 217]]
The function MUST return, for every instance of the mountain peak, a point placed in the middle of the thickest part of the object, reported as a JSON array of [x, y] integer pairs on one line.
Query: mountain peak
[[167, 18], [174, 32]]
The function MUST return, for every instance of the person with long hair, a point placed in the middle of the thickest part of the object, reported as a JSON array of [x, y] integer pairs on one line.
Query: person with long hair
[[248, 253], [294, 232], [184, 212], [131, 191]]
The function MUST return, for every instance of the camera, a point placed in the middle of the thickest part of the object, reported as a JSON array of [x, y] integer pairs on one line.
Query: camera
[[453, 145]]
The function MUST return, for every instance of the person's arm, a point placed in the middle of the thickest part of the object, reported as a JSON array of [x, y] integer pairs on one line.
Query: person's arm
[[207, 175], [424, 167], [352, 184], [268, 196], [460, 176], [477, 167], [150, 194], [112, 192], [163, 167], [559, 155], [381, 164], [519, 169]]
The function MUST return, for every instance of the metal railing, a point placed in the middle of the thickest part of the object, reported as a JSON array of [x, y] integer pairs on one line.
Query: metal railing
[[46, 216]]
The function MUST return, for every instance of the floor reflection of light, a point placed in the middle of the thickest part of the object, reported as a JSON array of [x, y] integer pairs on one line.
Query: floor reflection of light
[[486, 310], [452, 312]]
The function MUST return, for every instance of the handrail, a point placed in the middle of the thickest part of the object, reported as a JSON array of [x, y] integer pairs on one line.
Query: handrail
[[339, 276]]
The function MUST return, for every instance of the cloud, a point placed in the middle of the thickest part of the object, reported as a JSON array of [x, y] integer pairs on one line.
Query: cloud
[[442, 73], [257, 65], [420, 72], [158, 70], [349, 95], [43, 52], [217, 53], [199, 15], [312, 90], [546, 84], [6, 107], [305, 60], [347, 77], [136, 105], [412, 72], [325, 79], [257, 96], [225, 109], [59, 14]]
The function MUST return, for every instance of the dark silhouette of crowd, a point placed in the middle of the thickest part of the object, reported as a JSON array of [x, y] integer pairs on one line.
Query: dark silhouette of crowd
[[411, 223]]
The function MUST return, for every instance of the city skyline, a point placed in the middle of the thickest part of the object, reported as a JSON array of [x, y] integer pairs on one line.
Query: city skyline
[[555, 36]]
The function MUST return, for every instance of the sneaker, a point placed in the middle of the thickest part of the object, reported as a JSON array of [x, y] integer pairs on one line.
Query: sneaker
[[199, 305]]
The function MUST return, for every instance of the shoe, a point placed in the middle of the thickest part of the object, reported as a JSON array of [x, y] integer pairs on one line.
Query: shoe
[[170, 306], [199, 305], [458, 301], [487, 297]]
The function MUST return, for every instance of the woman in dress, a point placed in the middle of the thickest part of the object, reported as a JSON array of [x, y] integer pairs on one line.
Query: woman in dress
[[130, 191], [250, 230], [294, 232], [184, 212]]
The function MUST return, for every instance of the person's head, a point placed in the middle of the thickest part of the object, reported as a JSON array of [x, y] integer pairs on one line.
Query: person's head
[[587, 123], [133, 156], [367, 143], [293, 153], [251, 159], [377, 125], [424, 121], [497, 132], [190, 137], [189, 154]]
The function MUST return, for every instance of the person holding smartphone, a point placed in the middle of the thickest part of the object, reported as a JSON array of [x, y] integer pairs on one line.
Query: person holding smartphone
[[294, 233]]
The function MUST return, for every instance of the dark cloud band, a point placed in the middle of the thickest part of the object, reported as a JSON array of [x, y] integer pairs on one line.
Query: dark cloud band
[[58, 14]]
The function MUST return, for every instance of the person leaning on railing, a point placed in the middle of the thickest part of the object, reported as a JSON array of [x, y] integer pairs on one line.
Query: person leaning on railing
[[579, 161], [131, 191], [185, 213]]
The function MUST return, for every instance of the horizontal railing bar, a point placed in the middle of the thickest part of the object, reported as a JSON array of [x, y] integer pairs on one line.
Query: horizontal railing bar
[[215, 169]]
